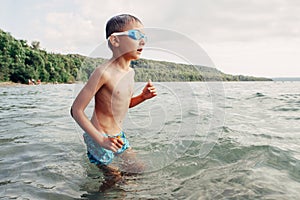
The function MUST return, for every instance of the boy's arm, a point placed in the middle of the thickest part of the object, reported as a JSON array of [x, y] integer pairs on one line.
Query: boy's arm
[[148, 92], [95, 82]]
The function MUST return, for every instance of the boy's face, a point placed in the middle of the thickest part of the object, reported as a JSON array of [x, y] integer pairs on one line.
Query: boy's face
[[130, 48]]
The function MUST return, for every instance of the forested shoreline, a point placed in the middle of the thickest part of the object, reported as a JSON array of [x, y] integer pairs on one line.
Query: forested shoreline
[[20, 62]]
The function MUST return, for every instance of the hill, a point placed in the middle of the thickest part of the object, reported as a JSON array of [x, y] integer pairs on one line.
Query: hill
[[168, 71], [20, 62]]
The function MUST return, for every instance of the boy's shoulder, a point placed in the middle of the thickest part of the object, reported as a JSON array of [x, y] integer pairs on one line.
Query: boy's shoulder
[[102, 67], [101, 71], [105, 67]]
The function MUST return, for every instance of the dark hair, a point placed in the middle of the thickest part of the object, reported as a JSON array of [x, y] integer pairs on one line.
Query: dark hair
[[117, 23]]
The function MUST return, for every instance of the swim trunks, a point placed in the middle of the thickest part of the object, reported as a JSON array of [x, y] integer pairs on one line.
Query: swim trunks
[[99, 155]]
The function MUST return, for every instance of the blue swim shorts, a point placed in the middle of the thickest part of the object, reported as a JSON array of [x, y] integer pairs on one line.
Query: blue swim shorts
[[99, 155]]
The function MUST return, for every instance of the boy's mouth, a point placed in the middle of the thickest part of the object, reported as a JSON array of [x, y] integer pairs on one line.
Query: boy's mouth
[[140, 50]]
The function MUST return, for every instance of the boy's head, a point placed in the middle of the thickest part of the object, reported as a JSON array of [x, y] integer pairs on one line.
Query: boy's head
[[125, 36], [119, 22]]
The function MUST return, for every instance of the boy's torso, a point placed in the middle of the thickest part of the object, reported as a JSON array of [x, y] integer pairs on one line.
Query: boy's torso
[[112, 100]]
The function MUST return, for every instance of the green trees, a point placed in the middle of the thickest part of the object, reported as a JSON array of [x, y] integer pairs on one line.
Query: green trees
[[167, 71], [20, 62]]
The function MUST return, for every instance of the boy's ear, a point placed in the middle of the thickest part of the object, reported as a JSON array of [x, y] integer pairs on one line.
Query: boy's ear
[[115, 42]]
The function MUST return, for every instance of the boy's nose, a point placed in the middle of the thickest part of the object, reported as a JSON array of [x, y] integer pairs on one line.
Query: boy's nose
[[142, 41]]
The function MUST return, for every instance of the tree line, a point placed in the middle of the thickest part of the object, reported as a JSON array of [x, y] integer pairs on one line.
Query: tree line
[[20, 62]]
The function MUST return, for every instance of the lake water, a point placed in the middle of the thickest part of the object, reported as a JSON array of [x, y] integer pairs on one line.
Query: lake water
[[235, 140]]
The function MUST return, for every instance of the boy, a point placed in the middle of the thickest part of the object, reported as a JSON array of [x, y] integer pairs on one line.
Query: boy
[[112, 86]]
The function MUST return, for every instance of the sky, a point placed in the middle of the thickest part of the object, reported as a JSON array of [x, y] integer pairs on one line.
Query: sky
[[247, 37]]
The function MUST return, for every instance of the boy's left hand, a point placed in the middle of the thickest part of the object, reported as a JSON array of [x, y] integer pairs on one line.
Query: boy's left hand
[[149, 90]]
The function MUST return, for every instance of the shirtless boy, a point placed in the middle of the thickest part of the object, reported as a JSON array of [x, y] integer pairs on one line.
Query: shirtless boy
[[112, 86]]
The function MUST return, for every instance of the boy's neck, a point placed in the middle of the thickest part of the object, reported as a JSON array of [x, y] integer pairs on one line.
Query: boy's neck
[[121, 63]]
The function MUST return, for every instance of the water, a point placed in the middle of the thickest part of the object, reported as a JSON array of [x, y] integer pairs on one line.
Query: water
[[238, 140]]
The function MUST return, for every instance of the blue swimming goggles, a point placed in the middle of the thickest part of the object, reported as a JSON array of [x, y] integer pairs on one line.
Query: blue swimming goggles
[[133, 34]]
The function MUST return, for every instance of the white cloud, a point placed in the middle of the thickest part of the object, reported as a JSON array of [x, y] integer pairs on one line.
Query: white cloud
[[70, 32], [261, 58]]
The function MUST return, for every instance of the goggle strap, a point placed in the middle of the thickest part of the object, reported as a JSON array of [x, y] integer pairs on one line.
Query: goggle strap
[[121, 33]]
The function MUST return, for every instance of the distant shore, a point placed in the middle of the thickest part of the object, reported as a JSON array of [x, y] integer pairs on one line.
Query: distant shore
[[9, 83], [286, 79]]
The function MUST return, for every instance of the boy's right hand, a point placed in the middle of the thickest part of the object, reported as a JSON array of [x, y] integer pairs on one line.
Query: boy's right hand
[[112, 143]]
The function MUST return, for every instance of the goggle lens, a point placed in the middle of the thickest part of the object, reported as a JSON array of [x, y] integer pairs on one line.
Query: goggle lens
[[137, 35]]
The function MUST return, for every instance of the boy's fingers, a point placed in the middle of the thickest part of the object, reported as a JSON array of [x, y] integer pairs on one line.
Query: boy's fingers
[[113, 148], [114, 143], [116, 147], [150, 89], [119, 141]]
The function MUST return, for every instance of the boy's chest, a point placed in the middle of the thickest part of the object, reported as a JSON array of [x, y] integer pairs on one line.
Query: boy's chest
[[121, 87]]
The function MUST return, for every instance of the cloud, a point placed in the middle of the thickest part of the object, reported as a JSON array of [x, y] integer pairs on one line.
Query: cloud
[[228, 19], [203, 21], [233, 31], [242, 37], [71, 32]]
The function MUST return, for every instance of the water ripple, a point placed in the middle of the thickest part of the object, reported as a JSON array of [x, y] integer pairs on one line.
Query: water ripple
[[253, 154]]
